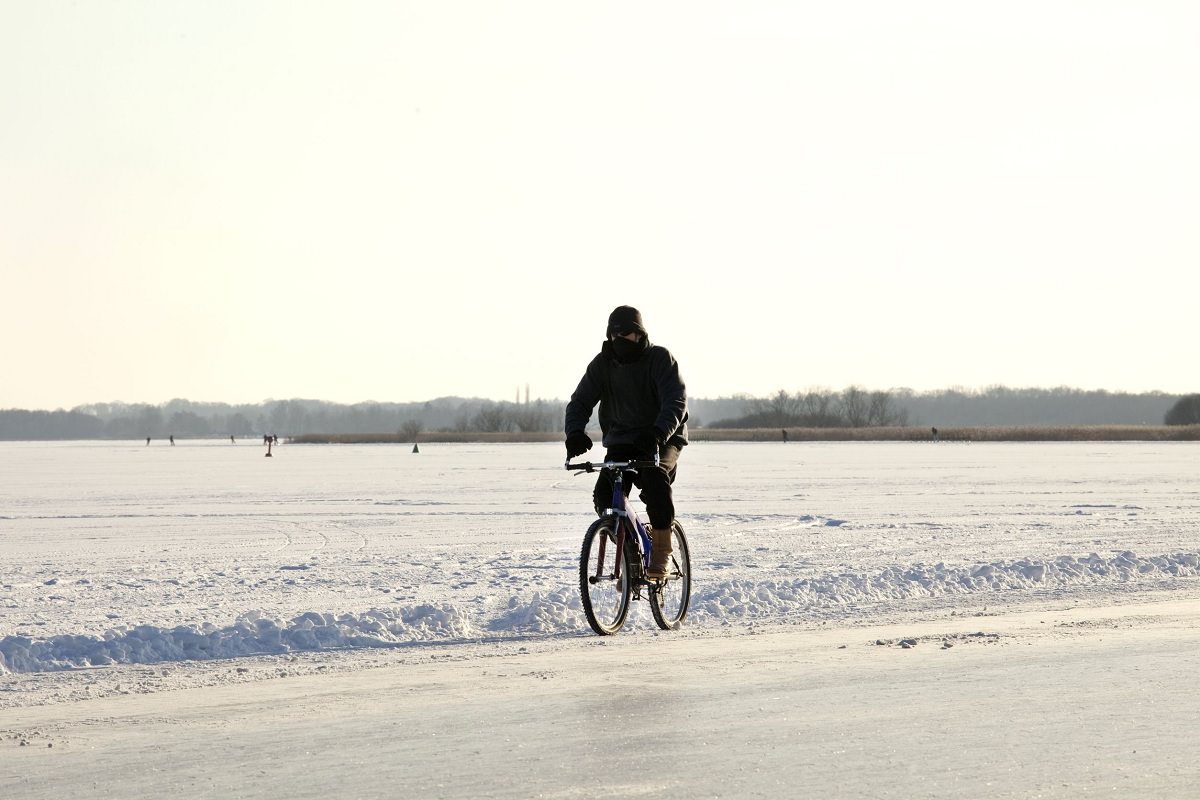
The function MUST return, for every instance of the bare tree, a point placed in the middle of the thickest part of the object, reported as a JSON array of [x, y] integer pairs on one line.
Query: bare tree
[[492, 418], [816, 406], [410, 429], [881, 411], [854, 406], [537, 417], [780, 408]]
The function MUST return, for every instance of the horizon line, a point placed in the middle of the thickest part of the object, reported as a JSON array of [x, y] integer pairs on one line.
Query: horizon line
[[736, 396]]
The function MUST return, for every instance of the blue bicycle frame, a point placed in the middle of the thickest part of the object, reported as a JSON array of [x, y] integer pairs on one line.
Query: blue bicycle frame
[[604, 592], [620, 509], [628, 522]]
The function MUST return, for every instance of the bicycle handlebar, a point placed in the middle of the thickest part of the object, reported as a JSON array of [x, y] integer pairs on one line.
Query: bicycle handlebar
[[589, 466]]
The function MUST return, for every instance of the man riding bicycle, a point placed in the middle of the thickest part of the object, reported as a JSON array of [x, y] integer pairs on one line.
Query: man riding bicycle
[[643, 412]]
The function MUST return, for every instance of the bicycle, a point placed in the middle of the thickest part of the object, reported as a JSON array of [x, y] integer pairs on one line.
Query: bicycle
[[615, 556]]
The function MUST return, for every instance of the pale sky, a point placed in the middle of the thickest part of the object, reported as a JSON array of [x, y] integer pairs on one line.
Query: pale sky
[[235, 201]]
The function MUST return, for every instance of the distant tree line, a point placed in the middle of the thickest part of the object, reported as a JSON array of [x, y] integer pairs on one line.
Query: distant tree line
[[853, 407], [856, 407], [1186, 411], [1004, 406], [188, 419], [21, 425]]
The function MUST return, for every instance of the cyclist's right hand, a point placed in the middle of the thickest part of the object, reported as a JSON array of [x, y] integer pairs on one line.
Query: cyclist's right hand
[[578, 443], [648, 443]]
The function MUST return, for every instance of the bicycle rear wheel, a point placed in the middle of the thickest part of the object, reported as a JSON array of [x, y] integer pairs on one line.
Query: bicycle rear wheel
[[670, 597], [605, 577]]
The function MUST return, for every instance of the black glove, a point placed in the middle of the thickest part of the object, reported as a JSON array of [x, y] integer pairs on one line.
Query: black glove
[[578, 443], [648, 442]]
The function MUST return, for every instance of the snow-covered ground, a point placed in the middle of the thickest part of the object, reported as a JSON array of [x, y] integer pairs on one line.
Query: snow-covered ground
[[116, 553], [869, 621]]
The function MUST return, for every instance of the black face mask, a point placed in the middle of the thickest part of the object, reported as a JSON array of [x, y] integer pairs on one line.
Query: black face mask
[[626, 351]]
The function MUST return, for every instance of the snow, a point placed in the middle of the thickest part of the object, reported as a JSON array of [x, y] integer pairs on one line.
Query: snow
[[868, 620], [126, 554]]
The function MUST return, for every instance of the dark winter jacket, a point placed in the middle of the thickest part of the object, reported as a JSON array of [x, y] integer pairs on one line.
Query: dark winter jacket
[[645, 395]]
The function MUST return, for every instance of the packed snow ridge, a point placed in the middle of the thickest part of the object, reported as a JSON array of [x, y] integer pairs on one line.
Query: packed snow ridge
[[558, 612], [252, 634]]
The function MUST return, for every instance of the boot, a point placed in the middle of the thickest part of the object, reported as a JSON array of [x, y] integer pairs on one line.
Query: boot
[[660, 553]]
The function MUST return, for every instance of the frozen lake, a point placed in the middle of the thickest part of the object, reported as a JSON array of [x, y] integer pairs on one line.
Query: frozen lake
[[127, 553], [869, 620]]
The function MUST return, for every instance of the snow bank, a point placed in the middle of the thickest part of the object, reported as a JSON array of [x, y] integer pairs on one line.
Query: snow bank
[[552, 612], [252, 634], [558, 612], [754, 599]]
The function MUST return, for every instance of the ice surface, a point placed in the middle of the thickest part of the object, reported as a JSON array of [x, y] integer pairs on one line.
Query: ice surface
[[123, 553]]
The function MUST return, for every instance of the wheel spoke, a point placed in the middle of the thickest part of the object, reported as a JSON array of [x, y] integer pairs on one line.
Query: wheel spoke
[[604, 586]]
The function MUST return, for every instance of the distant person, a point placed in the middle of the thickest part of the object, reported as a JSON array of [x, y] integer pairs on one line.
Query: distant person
[[147, 441], [172, 438], [275, 438], [935, 434], [785, 435], [643, 413], [232, 440]]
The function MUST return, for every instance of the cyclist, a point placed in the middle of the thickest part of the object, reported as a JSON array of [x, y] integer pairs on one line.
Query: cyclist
[[643, 411]]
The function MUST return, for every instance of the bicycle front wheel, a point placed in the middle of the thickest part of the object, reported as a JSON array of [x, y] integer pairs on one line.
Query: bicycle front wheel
[[670, 597], [605, 578]]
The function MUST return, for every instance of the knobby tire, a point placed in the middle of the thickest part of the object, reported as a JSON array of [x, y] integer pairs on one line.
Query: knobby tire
[[606, 602]]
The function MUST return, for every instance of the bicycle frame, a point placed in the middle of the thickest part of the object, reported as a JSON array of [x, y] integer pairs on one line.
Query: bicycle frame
[[603, 591], [628, 522]]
